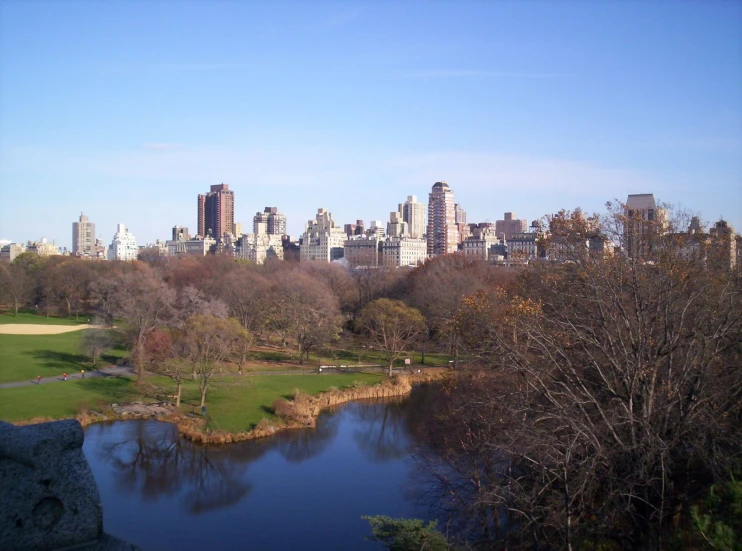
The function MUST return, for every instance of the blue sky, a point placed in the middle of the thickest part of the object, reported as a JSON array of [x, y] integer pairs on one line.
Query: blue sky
[[128, 110]]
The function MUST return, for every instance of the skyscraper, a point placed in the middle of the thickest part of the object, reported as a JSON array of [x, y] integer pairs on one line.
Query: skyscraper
[[443, 236], [216, 212], [83, 236], [414, 214]]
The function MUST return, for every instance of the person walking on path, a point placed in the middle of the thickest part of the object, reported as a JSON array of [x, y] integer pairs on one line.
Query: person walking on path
[[38, 379], [64, 376], [83, 373]]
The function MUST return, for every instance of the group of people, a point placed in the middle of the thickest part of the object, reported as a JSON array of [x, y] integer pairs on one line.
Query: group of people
[[64, 376]]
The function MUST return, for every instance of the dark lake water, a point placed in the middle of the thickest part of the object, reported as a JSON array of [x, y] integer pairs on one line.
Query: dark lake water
[[304, 489]]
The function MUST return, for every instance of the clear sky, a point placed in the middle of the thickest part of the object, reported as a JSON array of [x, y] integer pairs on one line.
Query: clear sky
[[126, 110]]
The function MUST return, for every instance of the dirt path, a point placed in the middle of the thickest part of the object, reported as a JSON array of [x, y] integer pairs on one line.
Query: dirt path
[[32, 329]]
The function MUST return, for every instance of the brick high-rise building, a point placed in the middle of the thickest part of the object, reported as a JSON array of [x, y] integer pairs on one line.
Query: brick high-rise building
[[443, 235], [83, 236], [216, 212]]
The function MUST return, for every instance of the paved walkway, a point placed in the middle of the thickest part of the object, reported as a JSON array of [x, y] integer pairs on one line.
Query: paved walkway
[[114, 371]]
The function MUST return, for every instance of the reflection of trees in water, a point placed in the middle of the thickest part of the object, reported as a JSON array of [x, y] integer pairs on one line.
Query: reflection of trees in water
[[150, 459], [299, 445], [382, 435]]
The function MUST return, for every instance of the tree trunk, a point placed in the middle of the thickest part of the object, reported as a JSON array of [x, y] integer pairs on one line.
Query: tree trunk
[[69, 307], [140, 359], [391, 362], [203, 397], [15, 305], [177, 395]]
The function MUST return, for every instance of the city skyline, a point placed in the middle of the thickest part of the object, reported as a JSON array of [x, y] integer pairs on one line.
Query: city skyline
[[126, 112]]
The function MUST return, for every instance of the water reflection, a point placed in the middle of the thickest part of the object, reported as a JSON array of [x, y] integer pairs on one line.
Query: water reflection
[[302, 444], [319, 481], [150, 459], [382, 435]]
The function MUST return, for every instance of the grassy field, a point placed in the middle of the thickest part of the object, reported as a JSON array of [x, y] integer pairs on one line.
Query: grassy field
[[25, 317], [238, 403], [62, 400], [234, 404], [23, 357]]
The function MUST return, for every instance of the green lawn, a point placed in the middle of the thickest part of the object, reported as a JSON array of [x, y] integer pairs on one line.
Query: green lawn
[[234, 404], [23, 357], [62, 400], [238, 403], [35, 319]]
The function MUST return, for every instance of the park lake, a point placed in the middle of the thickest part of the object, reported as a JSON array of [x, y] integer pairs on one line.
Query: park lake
[[300, 489]]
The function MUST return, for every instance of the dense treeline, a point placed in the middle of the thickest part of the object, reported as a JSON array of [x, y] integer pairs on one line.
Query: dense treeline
[[595, 400]]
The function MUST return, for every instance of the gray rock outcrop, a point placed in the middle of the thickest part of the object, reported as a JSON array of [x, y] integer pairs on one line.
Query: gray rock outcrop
[[49, 499]]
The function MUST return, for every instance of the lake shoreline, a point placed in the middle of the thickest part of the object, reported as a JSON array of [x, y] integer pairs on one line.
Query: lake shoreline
[[300, 412]]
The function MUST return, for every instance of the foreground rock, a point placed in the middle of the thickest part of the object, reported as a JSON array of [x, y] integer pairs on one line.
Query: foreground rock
[[49, 499]]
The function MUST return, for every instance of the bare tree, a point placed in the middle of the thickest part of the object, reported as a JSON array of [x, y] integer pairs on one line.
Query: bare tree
[[392, 325], [94, 343], [145, 302], [70, 280], [16, 283], [305, 309], [208, 341], [609, 387]]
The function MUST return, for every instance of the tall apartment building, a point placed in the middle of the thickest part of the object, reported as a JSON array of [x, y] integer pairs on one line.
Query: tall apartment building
[[354, 229], [442, 234], [322, 240], [216, 212], [270, 222], [83, 237], [645, 223], [123, 246], [396, 227], [508, 227], [413, 213]]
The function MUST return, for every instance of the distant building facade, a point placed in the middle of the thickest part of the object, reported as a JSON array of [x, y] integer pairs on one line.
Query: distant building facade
[[442, 233], [509, 226], [414, 215], [403, 251], [83, 237], [11, 250], [322, 240], [644, 223], [216, 212], [724, 244], [396, 227], [123, 246], [192, 247], [269, 222], [362, 251]]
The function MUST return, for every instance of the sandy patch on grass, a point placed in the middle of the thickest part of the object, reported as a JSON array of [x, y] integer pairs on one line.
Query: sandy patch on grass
[[31, 329]]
